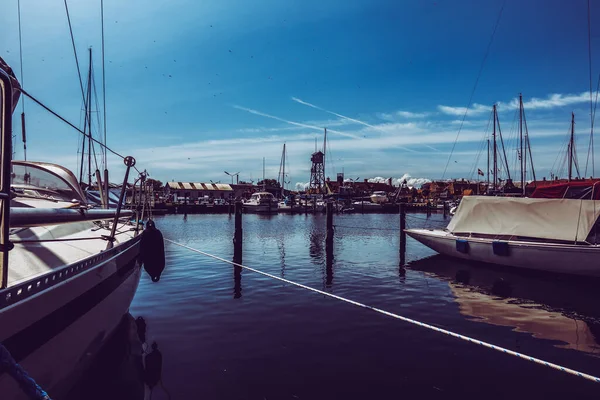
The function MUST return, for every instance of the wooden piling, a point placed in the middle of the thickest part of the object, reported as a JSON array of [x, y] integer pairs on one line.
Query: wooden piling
[[237, 236], [329, 235], [402, 234]]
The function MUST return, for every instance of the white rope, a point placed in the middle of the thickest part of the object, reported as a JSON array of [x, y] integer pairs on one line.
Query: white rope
[[405, 319]]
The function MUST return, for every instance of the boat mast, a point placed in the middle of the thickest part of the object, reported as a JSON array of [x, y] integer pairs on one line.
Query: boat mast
[[495, 149], [86, 105], [521, 155], [264, 183], [571, 143], [528, 148], [488, 164], [283, 174], [89, 110], [324, 158]]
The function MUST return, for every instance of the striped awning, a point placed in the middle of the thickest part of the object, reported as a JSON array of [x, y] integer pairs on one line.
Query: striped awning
[[191, 186]]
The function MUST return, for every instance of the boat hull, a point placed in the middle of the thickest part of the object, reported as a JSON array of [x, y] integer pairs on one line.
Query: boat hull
[[556, 258], [55, 333], [261, 208]]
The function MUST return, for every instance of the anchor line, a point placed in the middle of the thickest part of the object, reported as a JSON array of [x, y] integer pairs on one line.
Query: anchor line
[[400, 317]]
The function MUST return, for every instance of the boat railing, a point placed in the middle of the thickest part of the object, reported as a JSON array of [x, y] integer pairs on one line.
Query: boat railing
[[593, 190], [6, 108]]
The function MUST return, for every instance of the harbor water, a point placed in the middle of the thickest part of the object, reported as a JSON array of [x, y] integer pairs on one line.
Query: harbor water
[[227, 335]]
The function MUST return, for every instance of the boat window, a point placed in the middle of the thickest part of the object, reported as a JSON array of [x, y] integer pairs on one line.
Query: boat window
[[575, 192], [31, 181], [594, 235]]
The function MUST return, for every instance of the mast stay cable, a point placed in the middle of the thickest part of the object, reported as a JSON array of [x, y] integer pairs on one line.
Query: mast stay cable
[[75, 51], [487, 52], [591, 144], [22, 80]]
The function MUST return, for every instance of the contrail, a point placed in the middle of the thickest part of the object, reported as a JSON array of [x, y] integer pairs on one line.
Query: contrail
[[356, 121], [255, 112], [431, 147], [297, 100]]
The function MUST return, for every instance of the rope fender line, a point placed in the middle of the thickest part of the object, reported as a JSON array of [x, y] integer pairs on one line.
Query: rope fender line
[[402, 318]]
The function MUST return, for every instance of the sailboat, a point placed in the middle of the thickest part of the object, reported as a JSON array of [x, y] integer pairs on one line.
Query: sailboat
[[544, 234], [555, 235], [68, 270]]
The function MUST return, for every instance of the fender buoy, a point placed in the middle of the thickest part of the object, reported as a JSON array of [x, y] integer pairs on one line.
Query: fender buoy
[[152, 374], [152, 251]]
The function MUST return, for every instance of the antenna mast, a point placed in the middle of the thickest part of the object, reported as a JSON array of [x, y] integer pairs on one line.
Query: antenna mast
[[521, 155], [571, 143], [89, 120], [324, 156], [495, 150]]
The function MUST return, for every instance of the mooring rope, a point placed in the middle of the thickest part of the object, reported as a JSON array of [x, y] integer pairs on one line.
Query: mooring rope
[[26, 382], [400, 317]]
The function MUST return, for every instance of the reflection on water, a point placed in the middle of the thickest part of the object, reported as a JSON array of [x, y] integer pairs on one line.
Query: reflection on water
[[126, 367], [265, 339], [237, 280], [329, 260], [118, 370], [317, 245], [534, 305]]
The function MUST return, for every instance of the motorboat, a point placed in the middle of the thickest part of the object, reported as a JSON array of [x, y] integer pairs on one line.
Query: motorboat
[[379, 197], [68, 270], [261, 202], [366, 206], [554, 235], [285, 205]]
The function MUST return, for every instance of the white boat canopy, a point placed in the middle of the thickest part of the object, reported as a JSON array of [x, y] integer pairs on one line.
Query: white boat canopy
[[555, 219]]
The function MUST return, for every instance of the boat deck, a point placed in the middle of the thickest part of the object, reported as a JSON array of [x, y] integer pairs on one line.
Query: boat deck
[[32, 259]]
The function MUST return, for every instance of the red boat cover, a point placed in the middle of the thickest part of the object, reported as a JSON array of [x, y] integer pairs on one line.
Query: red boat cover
[[580, 189]]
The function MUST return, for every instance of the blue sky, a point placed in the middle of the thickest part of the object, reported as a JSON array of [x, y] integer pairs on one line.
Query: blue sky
[[195, 88]]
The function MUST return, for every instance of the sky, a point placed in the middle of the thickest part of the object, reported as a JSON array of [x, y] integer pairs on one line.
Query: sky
[[196, 88]]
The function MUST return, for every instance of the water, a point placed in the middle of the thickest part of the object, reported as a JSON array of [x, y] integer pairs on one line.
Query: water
[[257, 338]]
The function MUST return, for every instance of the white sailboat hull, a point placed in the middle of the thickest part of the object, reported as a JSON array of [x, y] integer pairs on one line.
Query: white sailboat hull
[[55, 333], [549, 257]]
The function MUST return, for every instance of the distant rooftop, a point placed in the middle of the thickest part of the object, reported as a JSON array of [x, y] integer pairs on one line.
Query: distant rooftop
[[199, 186]]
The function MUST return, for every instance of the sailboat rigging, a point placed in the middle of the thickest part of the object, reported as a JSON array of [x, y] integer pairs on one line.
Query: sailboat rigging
[[53, 263]]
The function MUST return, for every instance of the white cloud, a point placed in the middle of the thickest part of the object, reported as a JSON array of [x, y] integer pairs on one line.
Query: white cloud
[[377, 179], [301, 186], [401, 115], [408, 114], [460, 111], [555, 100], [410, 181], [551, 101]]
